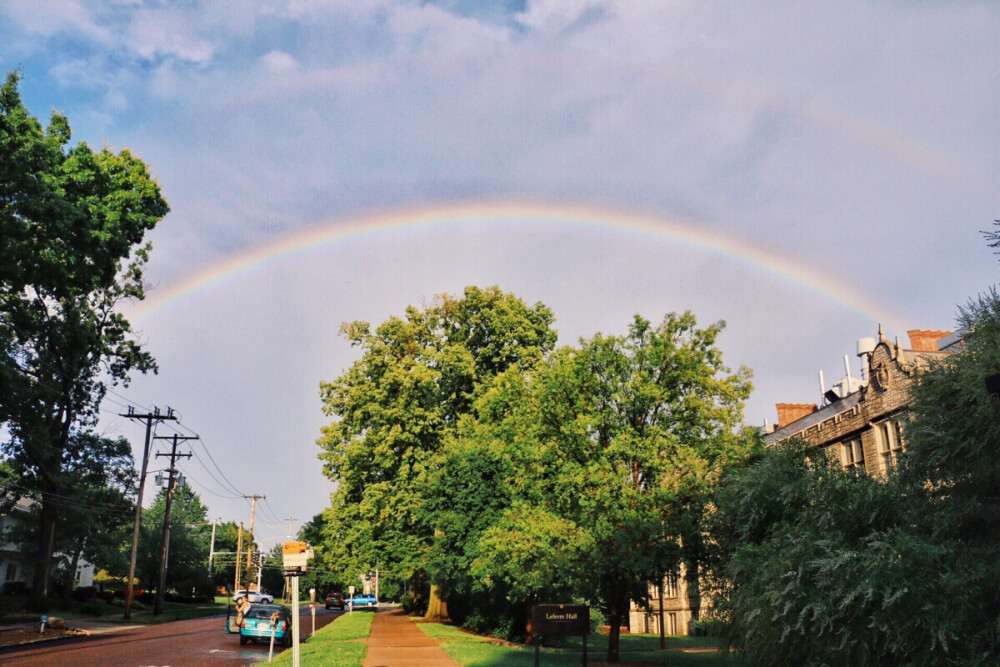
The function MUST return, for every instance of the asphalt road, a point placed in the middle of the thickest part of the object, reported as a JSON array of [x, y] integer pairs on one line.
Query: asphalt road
[[196, 642]]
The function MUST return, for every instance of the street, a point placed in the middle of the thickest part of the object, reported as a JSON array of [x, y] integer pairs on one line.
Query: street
[[200, 641]]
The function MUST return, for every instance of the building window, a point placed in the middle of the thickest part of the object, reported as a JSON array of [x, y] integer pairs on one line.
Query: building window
[[671, 624], [890, 442], [670, 586], [853, 455], [11, 572]]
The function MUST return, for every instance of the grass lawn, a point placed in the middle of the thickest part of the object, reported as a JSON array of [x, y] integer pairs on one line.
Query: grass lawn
[[471, 650], [336, 645], [12, 610]]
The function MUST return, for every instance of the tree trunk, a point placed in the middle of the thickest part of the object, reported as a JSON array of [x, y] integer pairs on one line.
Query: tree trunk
[[71, 575], [615, 622], [437, 608], [528, 629], [38, 600], [692, 577]]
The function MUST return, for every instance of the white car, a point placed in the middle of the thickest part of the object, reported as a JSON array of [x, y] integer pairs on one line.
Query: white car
[[254, 597]]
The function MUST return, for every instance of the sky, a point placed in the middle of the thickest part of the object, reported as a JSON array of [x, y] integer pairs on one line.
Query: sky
[[803, 171]]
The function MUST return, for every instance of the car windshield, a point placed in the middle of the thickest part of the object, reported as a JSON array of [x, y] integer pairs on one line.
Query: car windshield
[[262, 612]]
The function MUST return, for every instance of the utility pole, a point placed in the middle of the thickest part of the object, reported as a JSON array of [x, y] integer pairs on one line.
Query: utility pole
[[211, 547], [290, 520], [253, 510], [158, 601], [239, 552], [151, 419]]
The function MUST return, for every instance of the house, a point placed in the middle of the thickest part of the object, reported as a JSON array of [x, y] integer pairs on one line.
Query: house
[[15, 565]]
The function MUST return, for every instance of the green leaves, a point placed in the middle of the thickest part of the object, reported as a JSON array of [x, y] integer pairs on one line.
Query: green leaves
[[418, 377], [71, 228]]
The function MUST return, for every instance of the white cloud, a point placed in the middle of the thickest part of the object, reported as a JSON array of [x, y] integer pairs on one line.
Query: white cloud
[[854, 137], [279, 62]]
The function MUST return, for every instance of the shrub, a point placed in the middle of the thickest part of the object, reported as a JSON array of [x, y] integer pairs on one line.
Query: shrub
[[84, 593], [94, 607], [14, 588], [413, 604]]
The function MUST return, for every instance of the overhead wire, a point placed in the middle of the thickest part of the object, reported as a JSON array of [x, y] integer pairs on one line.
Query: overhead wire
[[204, 488]]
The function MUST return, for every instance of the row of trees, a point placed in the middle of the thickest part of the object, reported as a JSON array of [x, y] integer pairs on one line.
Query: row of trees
[[470, 453]]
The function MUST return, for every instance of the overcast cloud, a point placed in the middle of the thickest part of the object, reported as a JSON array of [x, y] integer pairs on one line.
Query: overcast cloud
[[858, 139]]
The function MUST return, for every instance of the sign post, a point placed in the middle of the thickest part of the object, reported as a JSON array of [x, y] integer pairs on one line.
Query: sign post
[[295, 561], [560, 620]]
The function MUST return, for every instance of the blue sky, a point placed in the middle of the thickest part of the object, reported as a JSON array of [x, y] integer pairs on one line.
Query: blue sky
[[857, 139]]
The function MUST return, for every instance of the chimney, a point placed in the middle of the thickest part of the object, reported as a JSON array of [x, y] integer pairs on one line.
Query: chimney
[[922, 340], [789, 412]]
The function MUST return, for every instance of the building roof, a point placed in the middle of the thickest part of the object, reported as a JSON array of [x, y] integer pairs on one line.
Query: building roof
[[821, 415]]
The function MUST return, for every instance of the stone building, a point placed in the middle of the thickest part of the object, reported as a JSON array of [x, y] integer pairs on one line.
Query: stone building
[[860, 423], [673, 599]]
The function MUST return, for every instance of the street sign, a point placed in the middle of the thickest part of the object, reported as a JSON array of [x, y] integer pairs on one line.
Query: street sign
[[295, 558], [560, 620]]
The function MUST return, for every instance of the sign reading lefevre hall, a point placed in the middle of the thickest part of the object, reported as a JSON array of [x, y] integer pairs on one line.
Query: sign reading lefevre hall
[[559, 620]]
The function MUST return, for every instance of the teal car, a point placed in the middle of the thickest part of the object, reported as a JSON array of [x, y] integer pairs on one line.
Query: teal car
[[260, 621]]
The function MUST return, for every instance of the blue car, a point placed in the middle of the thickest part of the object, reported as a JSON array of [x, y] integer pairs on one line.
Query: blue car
[[259, 622], [364, 601]]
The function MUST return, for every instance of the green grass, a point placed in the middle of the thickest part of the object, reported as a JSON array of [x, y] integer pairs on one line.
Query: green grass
[[12, 610], [336, 645], [471, 650], [449, 632]]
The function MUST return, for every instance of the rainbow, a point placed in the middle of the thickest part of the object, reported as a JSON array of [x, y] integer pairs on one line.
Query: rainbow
[[685, 234]]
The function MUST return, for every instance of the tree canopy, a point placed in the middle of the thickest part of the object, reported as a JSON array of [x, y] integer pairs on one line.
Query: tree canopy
[[72, 223], [417, 377], [588, 476], [821, 566]]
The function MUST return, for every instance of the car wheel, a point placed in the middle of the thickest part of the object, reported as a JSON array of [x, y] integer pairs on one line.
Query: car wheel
[[243, 640]]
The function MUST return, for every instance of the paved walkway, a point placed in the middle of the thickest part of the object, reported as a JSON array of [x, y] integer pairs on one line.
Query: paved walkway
[[396, 641]]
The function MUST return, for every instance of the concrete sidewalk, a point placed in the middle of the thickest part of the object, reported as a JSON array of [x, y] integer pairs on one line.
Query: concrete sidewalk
[[396, 641]]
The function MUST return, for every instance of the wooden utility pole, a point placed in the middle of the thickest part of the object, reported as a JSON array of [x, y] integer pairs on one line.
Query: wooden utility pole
[[151, 419], [253, 510], [165, 549], [239, 552]]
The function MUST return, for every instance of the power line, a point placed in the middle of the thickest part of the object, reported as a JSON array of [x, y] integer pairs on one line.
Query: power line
[[215, 479]]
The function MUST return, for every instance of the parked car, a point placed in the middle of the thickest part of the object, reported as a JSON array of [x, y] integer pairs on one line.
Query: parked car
[[364, 601], [255, 597], [263, 619], [335, 599]]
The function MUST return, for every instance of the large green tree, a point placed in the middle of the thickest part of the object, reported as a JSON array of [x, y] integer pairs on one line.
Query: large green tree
[[187, 562], [417, 376], [589, 477], [634, 430], [72, 223]]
